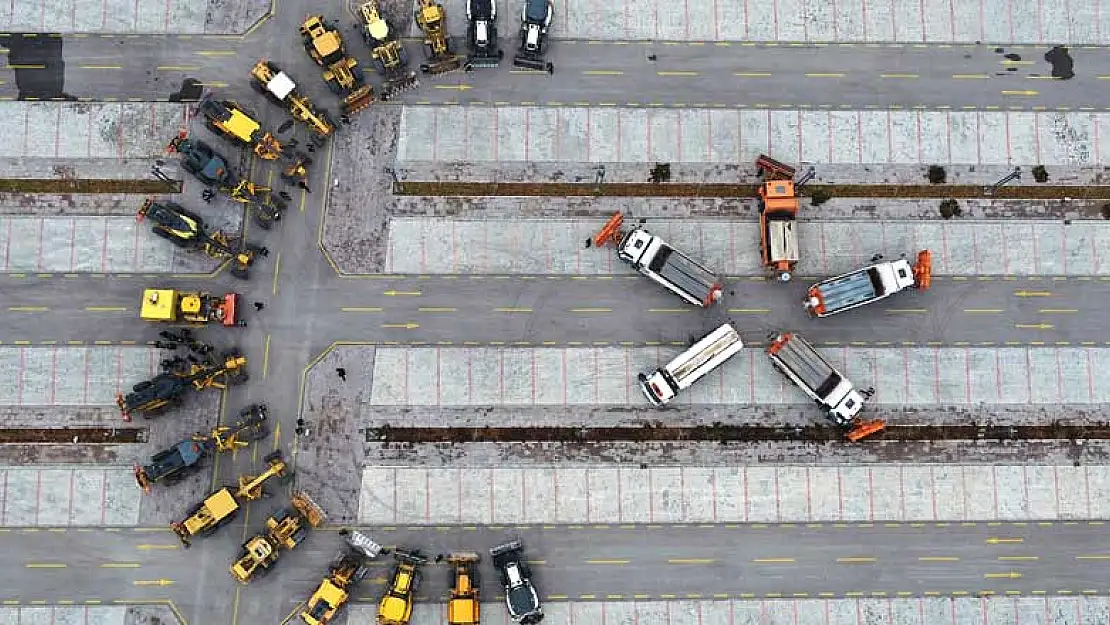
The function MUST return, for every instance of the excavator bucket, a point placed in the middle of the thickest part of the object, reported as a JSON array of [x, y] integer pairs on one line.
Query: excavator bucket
[[923, 270], [862, 429], [610, 231]]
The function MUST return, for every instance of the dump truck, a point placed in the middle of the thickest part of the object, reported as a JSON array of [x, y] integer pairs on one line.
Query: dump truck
[[387, 52], [229, 120], [186, 229], [165, 390], [280, 89], [432, 21], [463, 606], [173, 306], [708, 353], [521, 598], [870, 284], [346, 570], [342, 73], [211, 168], [535, 20], [796, 358], [778, 218], [395, 607], [654, 258], [284, 531], [481, 34]]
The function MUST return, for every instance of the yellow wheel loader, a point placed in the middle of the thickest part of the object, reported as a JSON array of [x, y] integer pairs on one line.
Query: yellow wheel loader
[[279, 88], [231, 121], [345, 572], [432, 21], [395, 607], [342, 74], [463, 607], [386, 51], [284, 530]]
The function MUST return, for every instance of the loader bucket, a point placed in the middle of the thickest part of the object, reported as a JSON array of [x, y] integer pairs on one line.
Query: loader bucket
[[923, 270], [610, 230], [391, 88], [534, 64], [358, 100], [443, 65], [862, 429]]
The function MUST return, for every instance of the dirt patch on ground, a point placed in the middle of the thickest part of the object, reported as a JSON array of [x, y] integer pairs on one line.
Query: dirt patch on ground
[[61, 186], [19, 436]]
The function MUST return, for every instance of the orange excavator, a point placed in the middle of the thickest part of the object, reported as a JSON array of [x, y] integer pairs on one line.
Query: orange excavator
[[778, 218]]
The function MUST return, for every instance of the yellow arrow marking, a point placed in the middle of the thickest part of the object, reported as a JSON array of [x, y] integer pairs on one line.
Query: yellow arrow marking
[[607, 561], [773, 560], [1010, 575], [590, 310], [982, 310], [938, 559], [513, 310], [752, 74], [45, 565], [28, 308], [676, 73], [1021, 92], [855, 560], [392, 293], [437, 310], [106, 309], [362, 309], [1058, 310], [994, 540], [603, 72], [120, 565], [824, 75], [1032, 293], [403, 326], [691, 561]]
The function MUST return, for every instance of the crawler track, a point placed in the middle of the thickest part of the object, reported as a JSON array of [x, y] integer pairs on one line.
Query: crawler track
[[730, 433], [718, 190], [84, 436], [65, 185]]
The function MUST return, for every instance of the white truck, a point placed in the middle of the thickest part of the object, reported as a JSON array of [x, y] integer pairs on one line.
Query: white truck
[[804, 366], [710, 352], [651, 256], [867, 285]]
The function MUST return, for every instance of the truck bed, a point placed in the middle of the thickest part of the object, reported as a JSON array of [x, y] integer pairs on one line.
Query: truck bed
[[808, 365], [850, 290], [684, 273]]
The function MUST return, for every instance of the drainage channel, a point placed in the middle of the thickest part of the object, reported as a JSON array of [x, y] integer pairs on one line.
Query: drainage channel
[[729, 433], [85, 185], [721, 190], [101, 436]]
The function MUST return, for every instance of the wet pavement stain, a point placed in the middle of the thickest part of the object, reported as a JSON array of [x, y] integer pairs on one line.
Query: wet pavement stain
[[190, 91], [38, 65], [1062, 64]]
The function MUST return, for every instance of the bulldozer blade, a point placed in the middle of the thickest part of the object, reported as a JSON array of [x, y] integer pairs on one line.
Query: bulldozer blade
[[358, 100], [863, 429], [443, 65], [534, 64]]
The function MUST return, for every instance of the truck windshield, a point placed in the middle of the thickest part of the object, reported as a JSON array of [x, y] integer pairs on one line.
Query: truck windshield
[[660, 259], [828, 385], [876, 281]]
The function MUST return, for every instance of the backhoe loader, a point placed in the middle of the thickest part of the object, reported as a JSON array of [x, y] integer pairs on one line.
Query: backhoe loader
[[279, 88], [165, 390], [395, 607], [186, 229], [463, 607], [342, 74], [346, 570], [386, 51], [432, 21], [221, 507], [284, 530], [231, 121]]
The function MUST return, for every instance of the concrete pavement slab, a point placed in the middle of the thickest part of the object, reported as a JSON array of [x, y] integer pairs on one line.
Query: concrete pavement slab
[[610, 494], [64, 615], [88, 130], [527, 377], [45, 376], [637, 135], [123, 16], [554, 246], [68, 497]]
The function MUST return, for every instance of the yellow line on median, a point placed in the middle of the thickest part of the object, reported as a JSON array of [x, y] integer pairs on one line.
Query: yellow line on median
[[277, 272], [607, 561], [603, 72], [266, 358], [1099, 556], [691, 561], [216, 52], [907, 310], [773, 560], [1026, 92], [676, 73], [361, 309], [437, 310], [25, 66], [177, 68], [513, 310], [855, 560], [1059, 310]]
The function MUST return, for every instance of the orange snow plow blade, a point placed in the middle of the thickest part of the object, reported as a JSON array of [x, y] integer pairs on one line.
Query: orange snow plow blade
[[862, 429], [923, 270], [610, 230]]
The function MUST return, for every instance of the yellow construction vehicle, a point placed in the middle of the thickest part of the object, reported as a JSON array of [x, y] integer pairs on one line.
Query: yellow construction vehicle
[[165, 390], [284, 530], [279, 88], [463, 607], [220, 508], [432, 21], [395, 608], [190, 307], [346, 570], [386, 51], [234, 123], [341, 71]]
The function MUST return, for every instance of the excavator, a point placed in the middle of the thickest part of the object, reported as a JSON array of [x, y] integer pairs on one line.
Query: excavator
[[345, 572], [463, 607], [231, 121], [386, 51], [284, 530], [186, 229], [171, 465], [211, 168], [432, 21], [395, 607], [778, 218], [197, 307], [221, 507], [165, 390], [342, 74], [280, 89]]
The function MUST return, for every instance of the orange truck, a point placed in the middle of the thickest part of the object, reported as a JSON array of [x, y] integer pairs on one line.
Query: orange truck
[[778, 218]]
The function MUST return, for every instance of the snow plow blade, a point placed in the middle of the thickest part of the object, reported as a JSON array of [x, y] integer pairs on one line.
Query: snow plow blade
[[358, 99], [923, 270], [394, 87], [610, 231], [444, 65], [537, 65], [862, 429], [486, 61]]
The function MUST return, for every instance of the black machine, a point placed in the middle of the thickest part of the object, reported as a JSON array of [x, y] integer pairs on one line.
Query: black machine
[[521, 598], [535, 19], [481, 34]]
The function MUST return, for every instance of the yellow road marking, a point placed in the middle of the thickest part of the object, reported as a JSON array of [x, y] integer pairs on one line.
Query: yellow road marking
[[773, 560], [691, 561], [1026, 92], [607, 561], [590, 310], [25, 66], [982, 310], [403, 326], [676, 73], [994, 540], [1094, 557], [392, 293], [1010, 575], [938, 559], [1058, 310], [28, 309], [437, 310], [105, 309], [153, 582], [824, 75], [855, 560], [898, 76], [752, 74], [1032, 293], [277, 272], [217, 52], [101, 66], [749, 310], [603, 72], [1009, 62], [266, 358], [1019, 558], [972, 76], [120, 565], [1034, 326], [360, 309], [513, 310], [45, 565]]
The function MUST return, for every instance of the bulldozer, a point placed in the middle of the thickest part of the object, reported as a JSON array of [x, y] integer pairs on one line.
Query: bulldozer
[[280, 89], [463, 607], [170, 305], [221, 507], [386, 51], [341, 71], [432, 21], [231, 121], [284, 530], [346, 570], [171, 465], [165, 390], [395, 607], [186, 229], [211, 168]]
